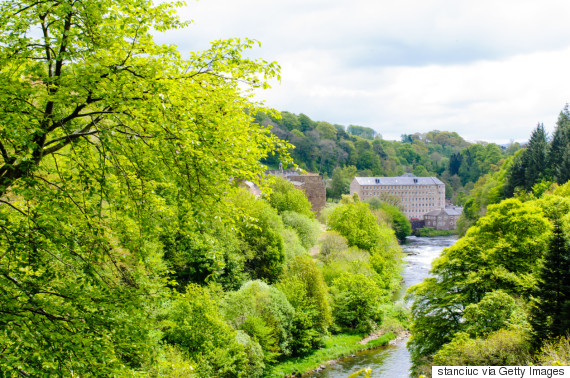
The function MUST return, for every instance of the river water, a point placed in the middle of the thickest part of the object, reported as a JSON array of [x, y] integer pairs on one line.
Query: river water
[[393, 361]]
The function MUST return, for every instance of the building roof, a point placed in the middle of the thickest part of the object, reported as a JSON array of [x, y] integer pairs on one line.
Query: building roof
[[406, 179], [444, 212]]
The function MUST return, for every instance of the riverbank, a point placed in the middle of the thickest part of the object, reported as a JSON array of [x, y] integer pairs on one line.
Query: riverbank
[[336, 347], [429, 232]]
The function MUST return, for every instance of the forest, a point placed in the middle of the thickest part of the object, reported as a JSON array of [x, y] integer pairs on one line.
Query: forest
[[131, 246]]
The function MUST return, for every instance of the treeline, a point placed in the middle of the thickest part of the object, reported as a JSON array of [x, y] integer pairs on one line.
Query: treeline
[[529, 172], [341, 153]]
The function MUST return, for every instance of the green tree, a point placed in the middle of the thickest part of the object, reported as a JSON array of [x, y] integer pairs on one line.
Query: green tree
[[559, 154], [103, 136], [356, 301], [498, 253], [195, 324], [305, 288], [357, 224], [285, 197], [550, 315], [260, 228]]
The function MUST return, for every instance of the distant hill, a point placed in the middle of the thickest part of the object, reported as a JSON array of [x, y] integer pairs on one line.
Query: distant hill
[[340, 153]]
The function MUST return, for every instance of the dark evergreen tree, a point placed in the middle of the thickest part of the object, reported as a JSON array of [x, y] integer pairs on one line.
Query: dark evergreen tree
[[550, 315], [454, 163], [535, 157], [559, 156]]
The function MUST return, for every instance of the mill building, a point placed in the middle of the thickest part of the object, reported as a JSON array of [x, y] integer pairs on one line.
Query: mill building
[[417, 195]]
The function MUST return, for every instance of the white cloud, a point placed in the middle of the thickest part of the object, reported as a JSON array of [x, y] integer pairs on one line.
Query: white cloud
[[487, 69]]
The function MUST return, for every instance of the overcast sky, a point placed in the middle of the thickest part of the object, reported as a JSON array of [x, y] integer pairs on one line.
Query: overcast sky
[[489, 70]]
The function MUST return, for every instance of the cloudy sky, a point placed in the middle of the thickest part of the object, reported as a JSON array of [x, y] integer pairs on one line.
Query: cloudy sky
[[487, 69]]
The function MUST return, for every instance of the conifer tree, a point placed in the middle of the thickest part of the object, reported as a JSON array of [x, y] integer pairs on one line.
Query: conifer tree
[[559, 156], [535, 157], [550, 315]]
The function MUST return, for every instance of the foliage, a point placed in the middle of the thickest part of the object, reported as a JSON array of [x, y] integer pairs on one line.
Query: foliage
[[340, 182], [393, 216], [308, 229], [550, 314], [107, 139], [303, 284], [499, 253], [493, 312], [356, 300], [554, 352], [194, 324], [264, 313], [205, 252], [331, 243], [356, 223], [501, 348], [285, 197], [292, 244], [260, 230]]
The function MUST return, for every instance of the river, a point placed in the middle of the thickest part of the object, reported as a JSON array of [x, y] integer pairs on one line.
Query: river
[[393, 361]]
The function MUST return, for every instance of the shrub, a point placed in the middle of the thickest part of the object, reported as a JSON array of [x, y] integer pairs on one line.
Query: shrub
[[303, 284], [357, 224], [259, 227], [195, 325], [285, 197], [264, 313], [356, 300], [492, 313], [501, 348], [308, 229], [332, 243], [292, 244]]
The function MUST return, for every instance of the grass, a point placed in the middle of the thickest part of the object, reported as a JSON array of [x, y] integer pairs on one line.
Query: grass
[[336, 346]]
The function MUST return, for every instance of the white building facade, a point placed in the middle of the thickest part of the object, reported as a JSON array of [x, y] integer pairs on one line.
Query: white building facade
[[417, 195]]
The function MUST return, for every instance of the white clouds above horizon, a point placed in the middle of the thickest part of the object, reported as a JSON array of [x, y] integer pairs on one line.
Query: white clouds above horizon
[[488, 70]]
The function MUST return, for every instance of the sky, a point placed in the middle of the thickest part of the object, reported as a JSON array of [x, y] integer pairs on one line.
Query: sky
[[488, 70]]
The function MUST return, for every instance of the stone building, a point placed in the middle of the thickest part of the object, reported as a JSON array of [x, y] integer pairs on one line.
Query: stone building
[[416, 195], [444, 219]]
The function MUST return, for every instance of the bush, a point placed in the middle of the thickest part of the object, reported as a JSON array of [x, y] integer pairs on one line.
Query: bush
[[332, 243], [357, 224], [285, 197], [303, 284], [195, 325], [260, 228], [264, 313], [356, 300], [308, 229], [292, 244], [554, 352], [492, 313], [501, 348]]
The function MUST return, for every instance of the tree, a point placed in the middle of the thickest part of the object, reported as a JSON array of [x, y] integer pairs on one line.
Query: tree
[[285, 197], [357, 224], [535, 157], [106, 138], [559, 155], [498, 253], [551, 304]]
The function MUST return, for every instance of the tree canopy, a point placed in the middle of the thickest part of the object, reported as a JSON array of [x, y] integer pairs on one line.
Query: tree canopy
[[106, 139]]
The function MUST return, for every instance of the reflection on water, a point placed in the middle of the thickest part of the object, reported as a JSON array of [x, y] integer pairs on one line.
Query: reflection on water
[[393, 361]]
